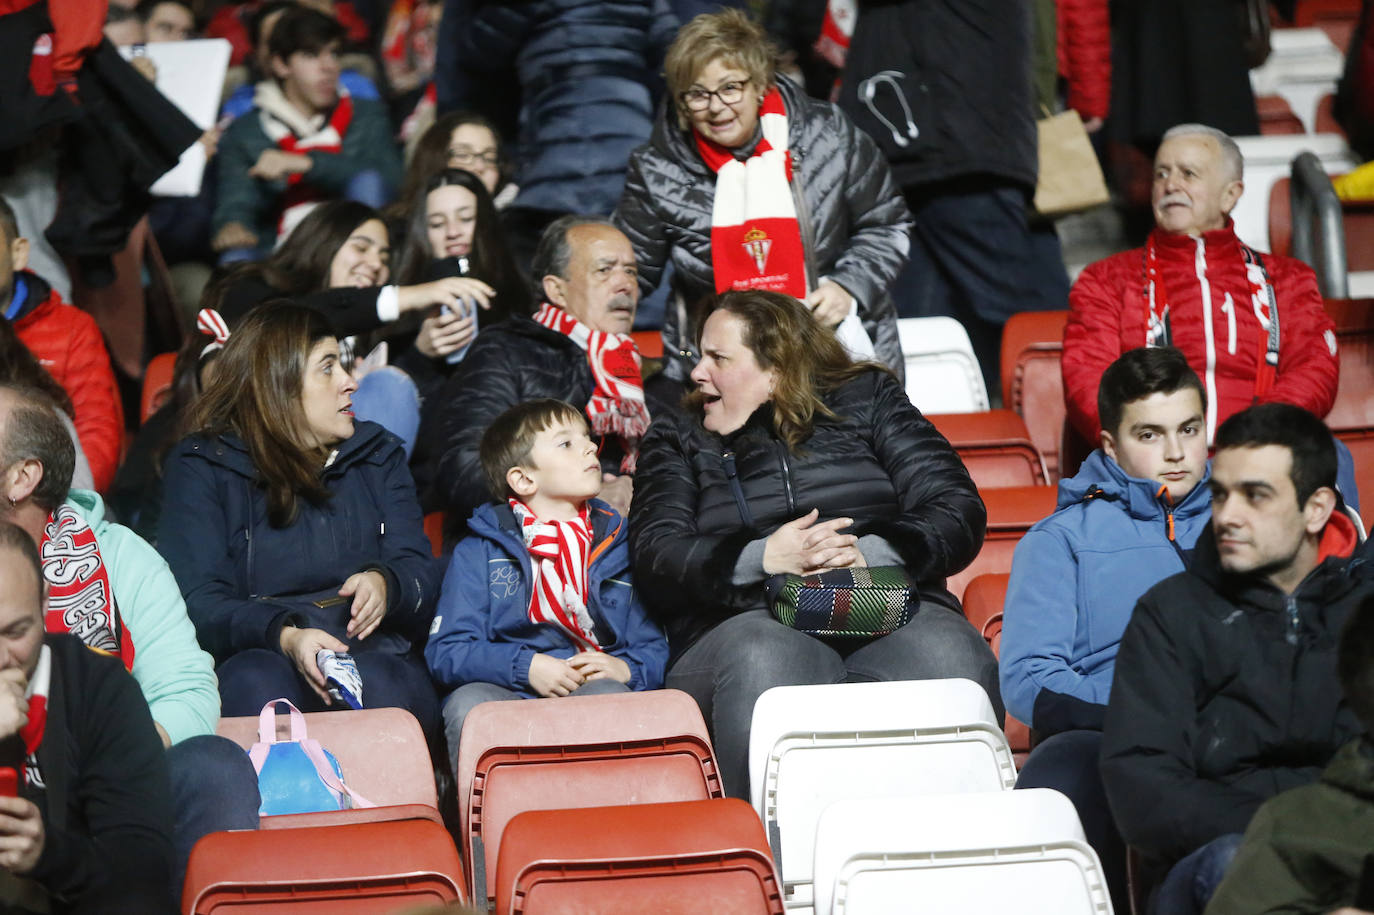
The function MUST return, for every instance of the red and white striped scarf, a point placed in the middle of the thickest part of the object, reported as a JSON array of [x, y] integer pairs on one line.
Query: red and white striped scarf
[[37, 694], [80, 599], [837, 28], [756, 240], [294, 132], [617, 404], [559, 550]]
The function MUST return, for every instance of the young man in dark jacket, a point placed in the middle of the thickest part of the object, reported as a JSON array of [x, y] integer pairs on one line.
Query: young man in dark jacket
[[305, 141], [91, 820], [1225, 691]]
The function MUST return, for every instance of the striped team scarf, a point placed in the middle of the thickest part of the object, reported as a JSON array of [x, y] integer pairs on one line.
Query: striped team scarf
[[756, 240], [617, 404], [559, 550], [80, 599]]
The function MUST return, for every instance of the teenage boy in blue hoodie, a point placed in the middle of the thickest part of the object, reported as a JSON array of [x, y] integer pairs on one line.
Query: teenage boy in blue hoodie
[[1125, 521], [537, 600]]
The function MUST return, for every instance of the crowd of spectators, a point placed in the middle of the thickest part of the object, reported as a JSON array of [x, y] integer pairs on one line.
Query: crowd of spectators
[[425, 236]]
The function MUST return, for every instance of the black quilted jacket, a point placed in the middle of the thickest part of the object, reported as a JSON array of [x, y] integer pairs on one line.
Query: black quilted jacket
[[881, 463], [853, 222]]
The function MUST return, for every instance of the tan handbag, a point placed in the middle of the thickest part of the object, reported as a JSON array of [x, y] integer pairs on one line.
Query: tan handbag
[[1070, 178]]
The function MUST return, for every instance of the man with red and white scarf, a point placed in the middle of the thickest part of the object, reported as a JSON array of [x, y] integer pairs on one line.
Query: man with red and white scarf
[[576, 348], [1252, 325], [305, 141], [85, 810]]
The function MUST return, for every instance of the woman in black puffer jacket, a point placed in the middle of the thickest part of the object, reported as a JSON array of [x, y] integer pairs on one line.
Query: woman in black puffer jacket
[[792, 458], [724, 98]]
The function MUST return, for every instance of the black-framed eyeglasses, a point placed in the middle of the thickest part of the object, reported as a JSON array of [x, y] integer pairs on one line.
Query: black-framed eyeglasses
[[465, 158], [730, 93]]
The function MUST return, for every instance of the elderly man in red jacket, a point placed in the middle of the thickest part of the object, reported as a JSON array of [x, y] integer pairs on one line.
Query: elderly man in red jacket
[[1251, 325]]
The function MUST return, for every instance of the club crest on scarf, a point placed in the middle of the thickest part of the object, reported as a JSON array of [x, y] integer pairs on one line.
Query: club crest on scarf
[[80, 600], [753, 215]]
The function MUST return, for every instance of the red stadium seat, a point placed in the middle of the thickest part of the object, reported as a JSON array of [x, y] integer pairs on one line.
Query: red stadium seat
[[1011, 512], [382, 753], [1335, 17], [544, 754], [1032, 383], [340, 870], [157, 384], [434, 529], [685, 857], [1276, 116], [649, 342], [1325, 121], [983, 601], [1352, 416], [1358, 222], [995, 447]]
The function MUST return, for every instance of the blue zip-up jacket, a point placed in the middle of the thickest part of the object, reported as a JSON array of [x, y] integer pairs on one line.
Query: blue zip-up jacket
[[482, 630], [1075, 578]]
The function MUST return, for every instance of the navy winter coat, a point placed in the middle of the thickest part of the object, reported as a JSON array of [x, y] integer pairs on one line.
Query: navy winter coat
[[588, 72], [230, 562], [482, 630]]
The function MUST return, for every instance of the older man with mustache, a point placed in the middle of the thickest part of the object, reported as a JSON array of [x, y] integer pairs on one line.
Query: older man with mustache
[[576, 348], [1251, 325]]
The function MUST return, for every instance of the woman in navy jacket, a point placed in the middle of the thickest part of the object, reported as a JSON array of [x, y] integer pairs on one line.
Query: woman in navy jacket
[[291, 528]]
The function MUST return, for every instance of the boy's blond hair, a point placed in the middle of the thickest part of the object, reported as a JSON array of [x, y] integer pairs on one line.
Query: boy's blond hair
[[509, 440]]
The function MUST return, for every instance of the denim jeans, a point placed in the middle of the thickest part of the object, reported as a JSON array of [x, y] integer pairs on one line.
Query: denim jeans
[[388, 397], [728, 668], [214, 788], [470, 695], [1191, 882]]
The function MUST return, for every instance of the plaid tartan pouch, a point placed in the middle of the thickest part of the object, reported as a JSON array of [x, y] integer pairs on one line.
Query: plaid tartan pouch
[[859, 602]]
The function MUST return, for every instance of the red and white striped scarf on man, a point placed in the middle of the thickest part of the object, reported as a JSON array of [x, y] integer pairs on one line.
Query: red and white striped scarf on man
[[37, 695], [294, 132], [80, 599], [756, 240], [617, 403], [559, 550]]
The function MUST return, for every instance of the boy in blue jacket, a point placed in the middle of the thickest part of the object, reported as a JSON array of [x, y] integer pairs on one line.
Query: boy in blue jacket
[[1127, 520], [537, 600]]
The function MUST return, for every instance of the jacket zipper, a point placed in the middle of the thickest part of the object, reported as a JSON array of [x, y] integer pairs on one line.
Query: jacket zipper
[[1290, 604], [787, 479], [727, 463], [804, 221], [1200, 266], [1163, 496]]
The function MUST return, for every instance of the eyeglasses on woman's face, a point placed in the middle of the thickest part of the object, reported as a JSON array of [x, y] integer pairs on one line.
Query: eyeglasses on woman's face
[[467, 157], [699, 99]]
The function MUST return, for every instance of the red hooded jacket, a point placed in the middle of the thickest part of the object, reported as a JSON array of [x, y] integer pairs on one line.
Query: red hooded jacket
[[1217, 315], [68, 344]]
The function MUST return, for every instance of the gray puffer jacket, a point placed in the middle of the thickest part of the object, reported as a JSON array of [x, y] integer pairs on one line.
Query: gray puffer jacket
[[854, 223]]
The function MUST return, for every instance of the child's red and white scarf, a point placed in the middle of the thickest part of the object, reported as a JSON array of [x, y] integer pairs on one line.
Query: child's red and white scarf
[[756, 241], [617, 404], [80, 599], [294, 132], [37, 694], [559, 551]]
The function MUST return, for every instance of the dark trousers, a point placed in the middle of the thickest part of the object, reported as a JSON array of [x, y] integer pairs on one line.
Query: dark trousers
[[975, 257], [1068, 763], [214, 788], [1191, 882], [728, 668], [250, 679]]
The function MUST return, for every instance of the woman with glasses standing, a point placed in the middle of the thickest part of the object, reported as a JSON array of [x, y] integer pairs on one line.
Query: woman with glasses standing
[[747, 183]]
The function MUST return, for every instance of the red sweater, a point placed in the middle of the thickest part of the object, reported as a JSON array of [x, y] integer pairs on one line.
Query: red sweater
[[1213, 318], [1085, 55], [68, 344]]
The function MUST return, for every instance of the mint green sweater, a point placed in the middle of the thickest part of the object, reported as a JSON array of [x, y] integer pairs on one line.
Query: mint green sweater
[[176, 677]]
